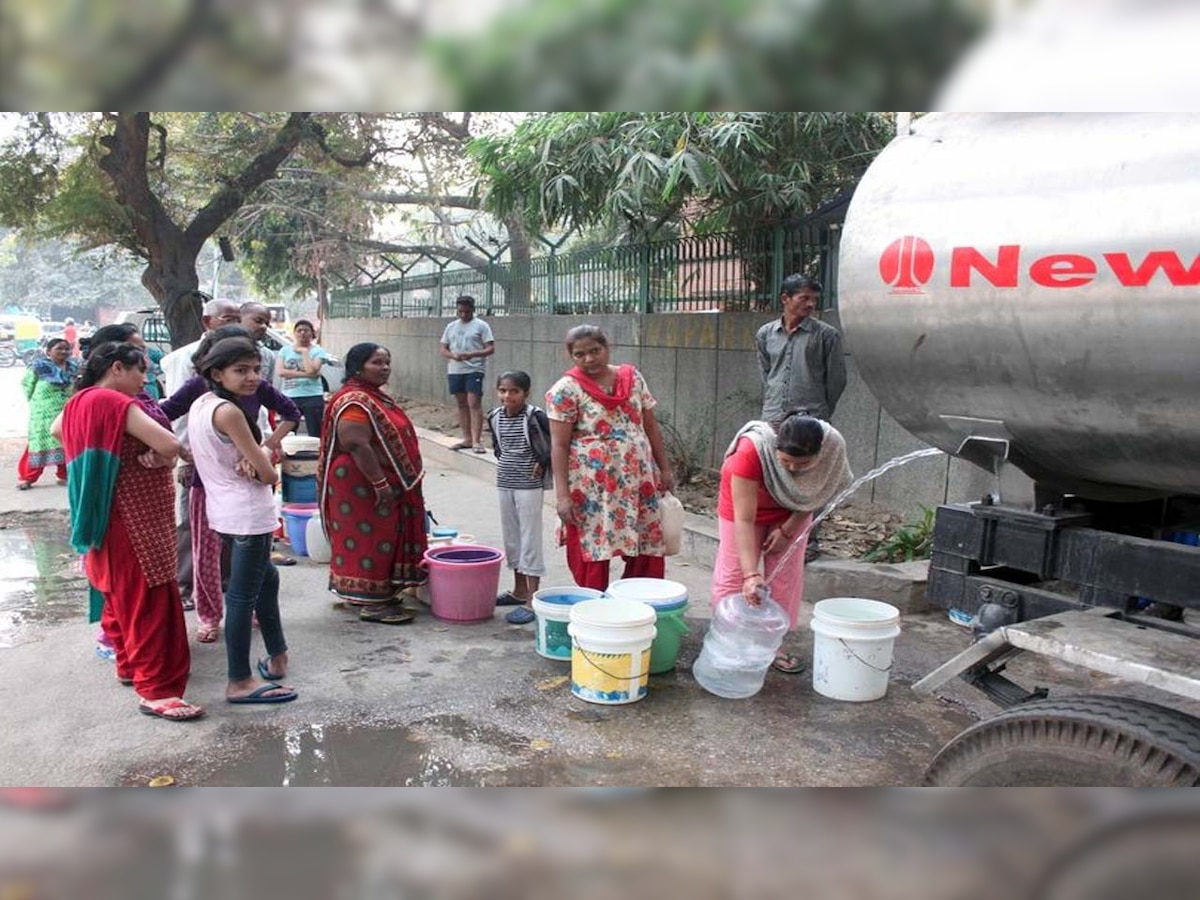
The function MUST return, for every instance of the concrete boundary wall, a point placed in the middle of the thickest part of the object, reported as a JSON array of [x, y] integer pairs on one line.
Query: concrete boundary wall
[[702, 369]]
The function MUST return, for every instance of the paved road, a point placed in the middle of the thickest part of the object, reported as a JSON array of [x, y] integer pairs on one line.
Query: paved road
[[432, 703], [14, 412]]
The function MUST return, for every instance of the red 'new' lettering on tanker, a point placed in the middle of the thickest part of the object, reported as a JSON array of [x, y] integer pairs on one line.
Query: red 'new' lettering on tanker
[[908, 262]]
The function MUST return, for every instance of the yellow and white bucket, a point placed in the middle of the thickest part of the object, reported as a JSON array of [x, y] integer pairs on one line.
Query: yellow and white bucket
[[610, 649]]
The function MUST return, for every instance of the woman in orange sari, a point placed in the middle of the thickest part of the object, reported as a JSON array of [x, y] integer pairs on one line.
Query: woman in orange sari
[[369, 487]]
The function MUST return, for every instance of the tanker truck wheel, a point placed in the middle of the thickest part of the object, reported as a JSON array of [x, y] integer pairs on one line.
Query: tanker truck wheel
[[1075, 741]]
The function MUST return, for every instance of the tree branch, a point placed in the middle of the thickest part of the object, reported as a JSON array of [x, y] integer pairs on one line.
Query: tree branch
[[457, 254], [458, 201], [263, 167], [350, 162], [125, 164]]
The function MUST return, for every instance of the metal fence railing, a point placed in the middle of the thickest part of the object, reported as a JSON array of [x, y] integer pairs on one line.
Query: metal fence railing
[[729, 271]]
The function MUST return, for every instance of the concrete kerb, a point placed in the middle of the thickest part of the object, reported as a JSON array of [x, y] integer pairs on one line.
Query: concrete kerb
[[900, 584]]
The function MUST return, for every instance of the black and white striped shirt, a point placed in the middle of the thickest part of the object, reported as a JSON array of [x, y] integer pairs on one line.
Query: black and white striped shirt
[[515, 466]]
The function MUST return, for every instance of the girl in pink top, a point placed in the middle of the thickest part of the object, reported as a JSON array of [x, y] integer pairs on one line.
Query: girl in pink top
[[237, 474]]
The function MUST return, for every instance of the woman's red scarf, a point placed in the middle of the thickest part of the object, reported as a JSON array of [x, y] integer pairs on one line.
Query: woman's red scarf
[[622, 388], [393, 430]]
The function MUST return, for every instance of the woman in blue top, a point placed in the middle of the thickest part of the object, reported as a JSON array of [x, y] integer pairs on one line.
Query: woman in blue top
[[299, 371]]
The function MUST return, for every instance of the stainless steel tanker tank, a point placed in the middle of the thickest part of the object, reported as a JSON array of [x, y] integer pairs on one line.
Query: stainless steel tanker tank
[[1028, 286]]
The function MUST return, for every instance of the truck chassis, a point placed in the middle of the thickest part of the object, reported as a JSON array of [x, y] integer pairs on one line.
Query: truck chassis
[[1054, 584]]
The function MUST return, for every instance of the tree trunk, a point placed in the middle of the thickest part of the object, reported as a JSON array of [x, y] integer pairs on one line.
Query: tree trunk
[[174, 286], [518, 298], [171, 276]]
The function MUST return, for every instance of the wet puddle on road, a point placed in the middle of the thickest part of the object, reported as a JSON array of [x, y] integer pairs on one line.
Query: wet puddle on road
[[447, 751], [41, 582]]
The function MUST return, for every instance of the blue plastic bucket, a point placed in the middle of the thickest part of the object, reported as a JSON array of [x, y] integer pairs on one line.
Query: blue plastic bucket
[[299, 488], [552, 606], [295, 522]]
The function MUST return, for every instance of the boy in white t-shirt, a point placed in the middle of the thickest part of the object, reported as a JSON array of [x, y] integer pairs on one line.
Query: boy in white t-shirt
[[467, 342]]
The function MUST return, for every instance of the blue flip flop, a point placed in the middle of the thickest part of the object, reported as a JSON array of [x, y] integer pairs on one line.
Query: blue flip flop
[[264, 670], [522, 615], [508, 598], [261, 696]]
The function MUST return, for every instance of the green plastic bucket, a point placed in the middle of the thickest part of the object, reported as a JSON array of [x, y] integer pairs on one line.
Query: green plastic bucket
[[670, 602]]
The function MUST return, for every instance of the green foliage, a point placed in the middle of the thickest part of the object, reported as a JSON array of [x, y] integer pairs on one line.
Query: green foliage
[[74, 177], [296, 231], [645, 172], [37, 274], [710, 54], [911, 541]]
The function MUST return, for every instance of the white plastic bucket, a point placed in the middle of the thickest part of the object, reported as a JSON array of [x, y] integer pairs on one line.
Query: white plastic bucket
[[610, 649], [552, 606], [853, 640]]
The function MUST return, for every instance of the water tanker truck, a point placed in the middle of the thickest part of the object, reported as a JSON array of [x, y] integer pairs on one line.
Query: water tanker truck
[[1023, 291]]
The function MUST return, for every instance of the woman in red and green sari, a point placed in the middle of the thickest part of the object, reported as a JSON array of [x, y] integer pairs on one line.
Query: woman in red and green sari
[[369, 487], [119, 463]]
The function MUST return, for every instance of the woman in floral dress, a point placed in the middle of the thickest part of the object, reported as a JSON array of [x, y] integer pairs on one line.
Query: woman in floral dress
[[610, 465]]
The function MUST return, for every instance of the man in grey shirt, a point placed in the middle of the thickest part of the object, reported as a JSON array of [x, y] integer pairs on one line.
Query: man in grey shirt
[[800, 357], [801, 362], [467, 342]]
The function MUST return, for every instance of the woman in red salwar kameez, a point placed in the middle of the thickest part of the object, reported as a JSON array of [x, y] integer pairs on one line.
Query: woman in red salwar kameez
[[119, 463], [369, 486]]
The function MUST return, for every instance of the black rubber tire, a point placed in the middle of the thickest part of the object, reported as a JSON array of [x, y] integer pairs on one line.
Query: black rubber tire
[[1075, 741]]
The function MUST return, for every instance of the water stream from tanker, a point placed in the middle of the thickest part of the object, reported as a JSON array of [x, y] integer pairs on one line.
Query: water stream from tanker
[[894, 463]]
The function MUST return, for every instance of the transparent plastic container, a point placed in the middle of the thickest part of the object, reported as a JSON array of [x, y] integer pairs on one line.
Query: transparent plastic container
[[740, 646]]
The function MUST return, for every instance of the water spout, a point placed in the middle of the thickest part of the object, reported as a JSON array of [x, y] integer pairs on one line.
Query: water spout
[[857, 483]]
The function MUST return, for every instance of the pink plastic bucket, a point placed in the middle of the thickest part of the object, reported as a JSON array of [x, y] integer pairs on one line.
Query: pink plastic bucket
[[463, 581]]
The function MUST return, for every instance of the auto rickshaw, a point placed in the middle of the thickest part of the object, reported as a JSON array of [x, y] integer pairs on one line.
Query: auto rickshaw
[[28, 337]]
